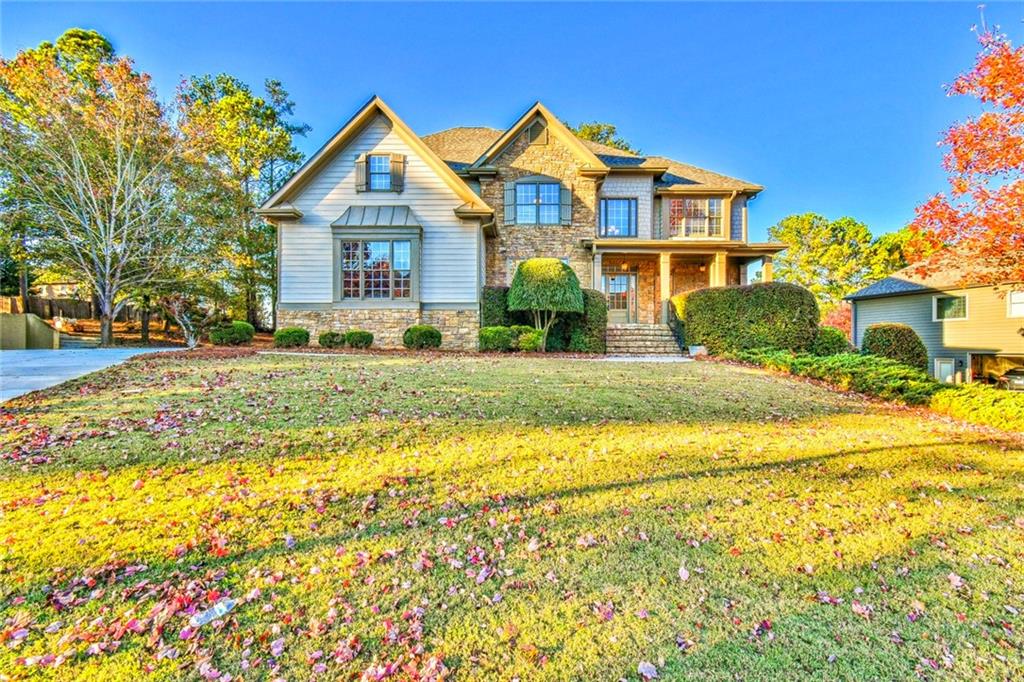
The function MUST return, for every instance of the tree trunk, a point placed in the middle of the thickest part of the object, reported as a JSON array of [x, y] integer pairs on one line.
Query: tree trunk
[[145, 319], [23, 286], [97, 310], [106, 329], [250, 306]]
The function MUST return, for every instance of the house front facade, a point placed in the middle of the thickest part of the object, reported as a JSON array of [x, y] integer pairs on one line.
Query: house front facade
[[971, 332], [382, 228]]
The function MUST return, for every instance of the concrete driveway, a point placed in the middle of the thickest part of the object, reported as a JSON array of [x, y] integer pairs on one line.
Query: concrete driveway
[[23, 371]]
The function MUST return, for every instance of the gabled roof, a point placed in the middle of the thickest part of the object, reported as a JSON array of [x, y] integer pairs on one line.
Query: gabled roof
[[374, 107], [948, 270], [460, 147], [556, 127]]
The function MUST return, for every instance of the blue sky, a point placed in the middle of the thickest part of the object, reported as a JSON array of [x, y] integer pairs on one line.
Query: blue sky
[[834, 108]]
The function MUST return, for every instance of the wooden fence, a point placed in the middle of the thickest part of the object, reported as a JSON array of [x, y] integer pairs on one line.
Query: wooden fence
[[49, 308]]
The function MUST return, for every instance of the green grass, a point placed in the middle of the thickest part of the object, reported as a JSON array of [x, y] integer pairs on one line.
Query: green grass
[[350, 504]]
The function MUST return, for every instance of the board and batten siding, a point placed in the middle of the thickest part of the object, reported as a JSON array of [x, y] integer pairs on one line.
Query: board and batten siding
[[987, 330], [639, 187], [449, 267]]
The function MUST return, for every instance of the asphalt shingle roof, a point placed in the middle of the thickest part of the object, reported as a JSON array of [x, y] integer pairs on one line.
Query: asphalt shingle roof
[[947, 270], [459, 147]]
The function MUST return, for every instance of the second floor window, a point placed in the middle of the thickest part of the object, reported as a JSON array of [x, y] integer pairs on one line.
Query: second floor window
[[537, 203], [697, 217], [618, 218], [379, 172], [949, 308], [1015, 304]]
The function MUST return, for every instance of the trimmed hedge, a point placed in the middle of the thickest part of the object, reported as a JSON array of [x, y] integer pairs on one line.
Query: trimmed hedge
[[495, 338], [518, 330], [830, 341], [869, 374], [358, 338], [530, 342], [494, 307], [983, 405], [235, 333], [421, 336], [738, 318], [291, 337], [587, 332], [332, 339], [896, 341]]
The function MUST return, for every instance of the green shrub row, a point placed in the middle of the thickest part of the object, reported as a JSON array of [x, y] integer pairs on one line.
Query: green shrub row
[[896, 341], [502, 339], [331, 339], [578, 332], [234, 333], [738, 318], [293, 337], [983, 405], [868, 374]]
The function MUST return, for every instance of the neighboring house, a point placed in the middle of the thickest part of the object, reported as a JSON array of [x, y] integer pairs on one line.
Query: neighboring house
[[382, 229], [972, 332], [59, 289]]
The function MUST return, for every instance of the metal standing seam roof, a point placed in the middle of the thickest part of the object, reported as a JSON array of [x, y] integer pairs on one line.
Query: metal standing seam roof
[[377, 216]]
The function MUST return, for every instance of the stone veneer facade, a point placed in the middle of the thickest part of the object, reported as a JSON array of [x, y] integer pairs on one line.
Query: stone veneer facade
[[458, 326], [516, 243]]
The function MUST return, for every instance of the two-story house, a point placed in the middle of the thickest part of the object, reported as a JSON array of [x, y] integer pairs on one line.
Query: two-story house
[[382, 229]]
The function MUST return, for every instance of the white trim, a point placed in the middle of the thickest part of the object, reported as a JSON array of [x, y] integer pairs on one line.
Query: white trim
[[935, 308], [952, 374], [1010, 303]]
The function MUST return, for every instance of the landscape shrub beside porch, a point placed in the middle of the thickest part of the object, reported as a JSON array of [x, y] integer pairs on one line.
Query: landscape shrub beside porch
[[576, 332]]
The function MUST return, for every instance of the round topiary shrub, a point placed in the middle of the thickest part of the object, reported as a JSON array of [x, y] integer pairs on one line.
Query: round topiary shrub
[[332, 339], [234, 333], [421, 336], [496, 339], [547, 288], [291, 337], [736, 318], [830, 341], [358, 338], [531, 342], [896, 341]]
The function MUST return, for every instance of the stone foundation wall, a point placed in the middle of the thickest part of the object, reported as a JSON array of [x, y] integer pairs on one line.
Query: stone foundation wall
[[458, 327]]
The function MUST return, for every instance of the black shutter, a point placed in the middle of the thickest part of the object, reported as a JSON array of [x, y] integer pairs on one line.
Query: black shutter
[[510, 203], [566, 206], [362, 184], [397, 172]]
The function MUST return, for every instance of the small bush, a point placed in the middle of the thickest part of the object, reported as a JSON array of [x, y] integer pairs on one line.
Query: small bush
[[291, 337], [495, 339], [868, 374], [738, 318], [421, 336], [982, 405], [236, 333], [898, 342], [518, 330], [830, 341], [358, 338], [531, 342], [332, 339], [546, 288], [588, 334], [494, 307]]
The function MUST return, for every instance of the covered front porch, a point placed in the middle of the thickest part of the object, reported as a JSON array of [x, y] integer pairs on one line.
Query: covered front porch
[[639, 284]]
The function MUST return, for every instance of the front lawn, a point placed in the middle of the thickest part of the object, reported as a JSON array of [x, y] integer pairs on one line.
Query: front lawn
[[499, 518]]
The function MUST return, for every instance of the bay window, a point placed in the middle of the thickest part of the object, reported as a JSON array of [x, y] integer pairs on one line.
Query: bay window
[[375, 269]]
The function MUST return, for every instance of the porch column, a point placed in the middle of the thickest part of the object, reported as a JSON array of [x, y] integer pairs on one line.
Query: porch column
[[719, 276], [766, 269], [665, 279], [597, 281]]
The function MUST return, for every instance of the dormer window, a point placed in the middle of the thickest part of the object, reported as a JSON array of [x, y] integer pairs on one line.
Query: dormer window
[[380, 172]]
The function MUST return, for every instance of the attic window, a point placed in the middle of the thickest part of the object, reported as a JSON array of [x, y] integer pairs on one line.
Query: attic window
[[380, 173], [538, 133]]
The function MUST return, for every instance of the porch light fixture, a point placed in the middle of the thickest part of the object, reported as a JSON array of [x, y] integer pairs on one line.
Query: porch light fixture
[[624, 266], [703, 268]]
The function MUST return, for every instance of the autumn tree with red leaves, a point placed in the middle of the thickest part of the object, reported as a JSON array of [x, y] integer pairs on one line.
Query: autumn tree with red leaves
[[983, 214]]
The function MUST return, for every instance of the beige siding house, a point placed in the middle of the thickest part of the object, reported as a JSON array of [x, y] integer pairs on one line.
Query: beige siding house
[[972, 333], [382, 229]]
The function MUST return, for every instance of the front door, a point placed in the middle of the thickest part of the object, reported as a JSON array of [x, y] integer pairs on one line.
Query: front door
[[620, 288]]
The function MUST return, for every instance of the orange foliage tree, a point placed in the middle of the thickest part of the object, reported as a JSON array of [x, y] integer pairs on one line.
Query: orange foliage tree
[[983, 213]]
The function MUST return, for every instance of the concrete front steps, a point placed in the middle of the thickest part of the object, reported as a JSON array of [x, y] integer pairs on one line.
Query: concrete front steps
[[69, 341], [641, 339]]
